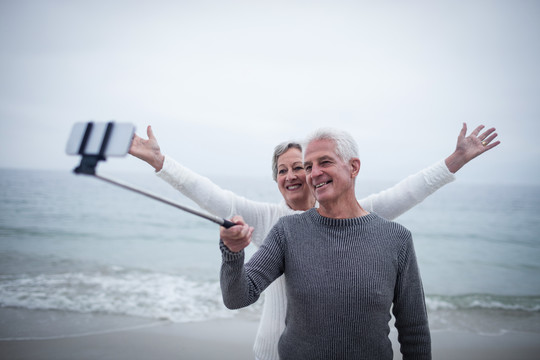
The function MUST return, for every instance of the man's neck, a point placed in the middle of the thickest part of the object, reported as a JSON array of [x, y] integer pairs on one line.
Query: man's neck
[[302, 206], [350, 209]]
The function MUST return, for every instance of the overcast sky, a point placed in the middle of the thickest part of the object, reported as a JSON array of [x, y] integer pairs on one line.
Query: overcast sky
[[222, 82]]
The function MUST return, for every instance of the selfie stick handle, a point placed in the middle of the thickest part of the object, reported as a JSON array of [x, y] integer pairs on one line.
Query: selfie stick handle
[[88, 167], [223, 222]]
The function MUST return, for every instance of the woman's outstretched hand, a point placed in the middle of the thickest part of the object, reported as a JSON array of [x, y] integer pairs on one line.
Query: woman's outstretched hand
[[147, 150], [469, 147]]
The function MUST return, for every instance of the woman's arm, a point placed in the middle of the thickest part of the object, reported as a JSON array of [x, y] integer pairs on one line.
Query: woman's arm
[[414, 189], [223, 203], [204, 192], [411, 191]]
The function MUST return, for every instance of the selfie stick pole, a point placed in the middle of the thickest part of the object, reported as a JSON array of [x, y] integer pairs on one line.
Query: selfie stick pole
[[217, 220], [88, 167]]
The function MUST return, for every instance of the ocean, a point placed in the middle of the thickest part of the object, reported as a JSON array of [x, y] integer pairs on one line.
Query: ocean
[[72, 244]]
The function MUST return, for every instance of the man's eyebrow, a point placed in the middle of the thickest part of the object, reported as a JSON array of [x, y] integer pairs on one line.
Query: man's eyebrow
[[325, 157], [319, 159]]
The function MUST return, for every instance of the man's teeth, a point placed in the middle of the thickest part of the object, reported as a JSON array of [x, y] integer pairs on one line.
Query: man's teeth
[[321, 184]]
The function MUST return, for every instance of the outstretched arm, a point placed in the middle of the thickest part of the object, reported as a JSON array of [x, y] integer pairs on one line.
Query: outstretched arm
[[409, 192], [469, 147], [147, 150], [203, 191]]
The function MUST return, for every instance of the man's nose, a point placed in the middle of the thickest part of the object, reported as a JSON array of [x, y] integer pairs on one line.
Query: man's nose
[[315, 171]]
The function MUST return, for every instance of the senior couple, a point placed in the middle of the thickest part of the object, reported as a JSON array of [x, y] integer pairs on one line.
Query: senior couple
[[346, 266]]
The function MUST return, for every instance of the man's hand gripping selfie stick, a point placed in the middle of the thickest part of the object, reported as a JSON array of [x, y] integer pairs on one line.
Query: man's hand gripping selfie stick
[[88, 167]]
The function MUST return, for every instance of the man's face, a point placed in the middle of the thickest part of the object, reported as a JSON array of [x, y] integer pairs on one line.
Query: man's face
[[328, 176]]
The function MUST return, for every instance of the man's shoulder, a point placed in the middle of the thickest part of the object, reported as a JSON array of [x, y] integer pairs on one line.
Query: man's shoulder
[[392, 226]]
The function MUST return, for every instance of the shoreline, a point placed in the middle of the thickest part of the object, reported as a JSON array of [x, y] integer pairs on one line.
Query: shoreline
[[47, 335]]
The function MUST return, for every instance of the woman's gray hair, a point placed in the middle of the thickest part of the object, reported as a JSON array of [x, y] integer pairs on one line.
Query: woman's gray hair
[[280, 150], [346, 146]]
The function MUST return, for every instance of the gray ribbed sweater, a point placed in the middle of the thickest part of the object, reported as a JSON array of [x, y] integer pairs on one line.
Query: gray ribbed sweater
[[342, 278]]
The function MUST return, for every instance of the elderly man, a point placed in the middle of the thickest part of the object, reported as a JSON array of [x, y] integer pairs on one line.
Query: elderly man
[[345, 268]]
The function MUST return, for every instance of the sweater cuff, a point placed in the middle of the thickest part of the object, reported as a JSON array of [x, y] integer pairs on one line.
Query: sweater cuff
[[172, 172], [228, 255], [438, 175]]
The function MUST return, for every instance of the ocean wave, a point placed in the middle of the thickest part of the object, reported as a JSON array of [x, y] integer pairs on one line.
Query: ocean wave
[[149, 295], [483, 301], [156, 295]]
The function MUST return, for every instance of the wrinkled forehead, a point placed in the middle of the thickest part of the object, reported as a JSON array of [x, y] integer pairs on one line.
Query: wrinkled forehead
[[319, 149], [289, 157]]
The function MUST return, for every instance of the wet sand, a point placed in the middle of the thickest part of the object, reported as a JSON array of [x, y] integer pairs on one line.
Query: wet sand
[[36, 335]]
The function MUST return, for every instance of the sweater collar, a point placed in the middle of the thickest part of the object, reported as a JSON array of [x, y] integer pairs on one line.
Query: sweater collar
[[326, 221]]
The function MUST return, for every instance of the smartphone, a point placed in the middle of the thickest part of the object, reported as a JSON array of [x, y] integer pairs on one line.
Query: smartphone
[[118, 144]]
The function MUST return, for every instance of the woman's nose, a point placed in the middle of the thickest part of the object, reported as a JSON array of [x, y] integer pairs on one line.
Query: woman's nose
[[291, 175]]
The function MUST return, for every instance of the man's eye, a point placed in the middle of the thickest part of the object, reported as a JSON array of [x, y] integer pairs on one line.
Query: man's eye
[[307, 168]]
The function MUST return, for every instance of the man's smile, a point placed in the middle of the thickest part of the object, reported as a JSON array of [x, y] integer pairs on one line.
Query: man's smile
[[322, 184]]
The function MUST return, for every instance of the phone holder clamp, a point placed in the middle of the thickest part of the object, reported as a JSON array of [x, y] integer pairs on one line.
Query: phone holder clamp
[[89, 162]]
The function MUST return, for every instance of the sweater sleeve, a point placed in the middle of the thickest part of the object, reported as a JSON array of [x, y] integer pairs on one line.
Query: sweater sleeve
[[409, 307], [411, 191], [242, 285], [220, 202]]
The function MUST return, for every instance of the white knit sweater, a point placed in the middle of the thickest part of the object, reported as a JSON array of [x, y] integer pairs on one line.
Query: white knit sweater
[[262, 216]]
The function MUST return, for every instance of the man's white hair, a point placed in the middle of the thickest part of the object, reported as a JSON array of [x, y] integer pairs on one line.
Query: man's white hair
[[346, 147]]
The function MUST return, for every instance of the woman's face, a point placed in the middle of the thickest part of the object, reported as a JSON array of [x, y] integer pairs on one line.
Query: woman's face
[[291, 180]]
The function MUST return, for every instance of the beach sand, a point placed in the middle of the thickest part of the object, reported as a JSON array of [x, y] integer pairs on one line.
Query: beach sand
[[36, 335]]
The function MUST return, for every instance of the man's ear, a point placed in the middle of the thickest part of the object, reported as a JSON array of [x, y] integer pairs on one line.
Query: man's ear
[[355, 167]]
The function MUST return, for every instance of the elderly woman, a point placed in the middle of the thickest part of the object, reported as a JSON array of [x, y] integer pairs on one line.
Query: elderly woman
[[288, 172]]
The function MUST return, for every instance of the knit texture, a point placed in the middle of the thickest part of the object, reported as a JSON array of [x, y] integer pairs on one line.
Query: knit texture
[[343, 278], [262, 216]]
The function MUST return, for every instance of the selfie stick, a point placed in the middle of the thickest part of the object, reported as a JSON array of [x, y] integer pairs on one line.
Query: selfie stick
[[88, 167]]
